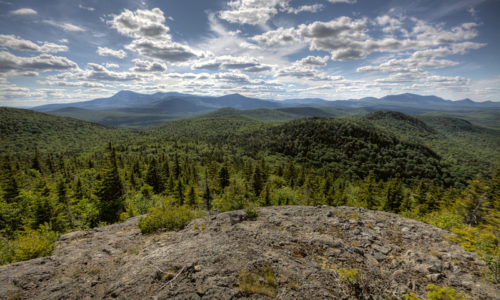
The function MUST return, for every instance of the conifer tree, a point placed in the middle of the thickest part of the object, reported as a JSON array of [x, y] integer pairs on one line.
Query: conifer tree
[[179, 192], [368, 191], [110, 191], [192, 196], [207, 197], [394, 195], [257, 180], [223, 177], [153, 177]]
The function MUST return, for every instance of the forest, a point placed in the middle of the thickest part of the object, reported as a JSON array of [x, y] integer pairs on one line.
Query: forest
[[60, 175]]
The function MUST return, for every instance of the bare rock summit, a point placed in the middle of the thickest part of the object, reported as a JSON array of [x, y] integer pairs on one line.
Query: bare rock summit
[[288, 252]]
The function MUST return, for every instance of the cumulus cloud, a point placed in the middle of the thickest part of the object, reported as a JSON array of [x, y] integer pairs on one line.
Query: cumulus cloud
[[65, 26], [347, 38], [242, 63], [304, 8], [104, 51], [94, 72], [251, 12], [141, 23], [343, 1], [148, 66], [313, 61], [24, 12], [151, 38], [16, 43], [256, 12], [112, 66], [166, 50], [86, 7], [278, 37], [10, 63]]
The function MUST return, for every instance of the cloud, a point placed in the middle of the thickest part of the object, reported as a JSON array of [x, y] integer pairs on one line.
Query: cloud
[[304, 8], [255, 12], [343, 1], [164, 50], [86, 8], [10, 63], [24, 12], [104, 51], [65, 26], [148, 66], [16, 43], [313, 61], [348, 39], [242, 63], [151, 38], [112, 66], [94, 72], [141, 23], [251, 12], [278, 37]]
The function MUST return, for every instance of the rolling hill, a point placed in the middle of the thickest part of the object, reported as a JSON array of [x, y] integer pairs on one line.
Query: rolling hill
[[130, 109]]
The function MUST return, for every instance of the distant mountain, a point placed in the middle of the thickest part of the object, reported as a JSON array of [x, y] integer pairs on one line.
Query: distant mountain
[[130, 109]]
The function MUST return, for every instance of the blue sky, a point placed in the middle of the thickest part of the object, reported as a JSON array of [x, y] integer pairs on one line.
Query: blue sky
[[65, 51]]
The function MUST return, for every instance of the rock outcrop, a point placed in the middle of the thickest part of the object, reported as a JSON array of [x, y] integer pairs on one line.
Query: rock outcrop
[[290, 252]]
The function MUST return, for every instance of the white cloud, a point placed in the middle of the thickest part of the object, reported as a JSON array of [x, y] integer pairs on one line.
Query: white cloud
[[94, 72], [278, 37], [255, 12], [242, 63], [27, 65], [86, 7], [65, 26], [148, 66], [164, 50], [104, 51], [343, 1], [112, 66], [141, 23], [251, 12], [151, 38], [16, 43], [304, 8], [24, 12]]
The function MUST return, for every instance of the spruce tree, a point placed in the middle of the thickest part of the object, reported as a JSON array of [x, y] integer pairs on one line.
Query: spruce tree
[[110, 191], [153, 177], [207, 197]]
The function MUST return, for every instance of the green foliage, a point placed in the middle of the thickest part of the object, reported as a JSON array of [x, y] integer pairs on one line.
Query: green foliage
[[110, 191], [167, 218], [262, 281], [31, 244], [435, 292]]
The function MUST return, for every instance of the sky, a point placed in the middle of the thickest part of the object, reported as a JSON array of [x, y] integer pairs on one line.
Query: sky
[[56, 51]]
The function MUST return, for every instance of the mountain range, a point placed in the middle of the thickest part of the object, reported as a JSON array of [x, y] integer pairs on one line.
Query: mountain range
[[130, 109]]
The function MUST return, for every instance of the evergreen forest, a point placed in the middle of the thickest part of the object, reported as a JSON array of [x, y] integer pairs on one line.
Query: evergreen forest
[[59, 174]]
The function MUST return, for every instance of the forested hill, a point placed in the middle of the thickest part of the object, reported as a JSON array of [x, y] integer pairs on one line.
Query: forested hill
[[24, 131], [466, 149]]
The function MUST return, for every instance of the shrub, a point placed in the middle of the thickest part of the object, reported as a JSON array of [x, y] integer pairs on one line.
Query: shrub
[[260, 281], [168, 218], [435, 292], [31, 244]]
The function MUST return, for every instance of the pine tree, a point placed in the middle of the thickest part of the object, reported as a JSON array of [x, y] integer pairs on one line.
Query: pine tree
[[207, 197], [473, 204], [192, 196], [257, 181], [110, 191], [153, 177], [223, 177], [368, 191], [179, 192], [394, 195]]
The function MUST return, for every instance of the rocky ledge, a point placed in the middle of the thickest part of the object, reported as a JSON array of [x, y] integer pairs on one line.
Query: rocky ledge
[[290, 252]]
